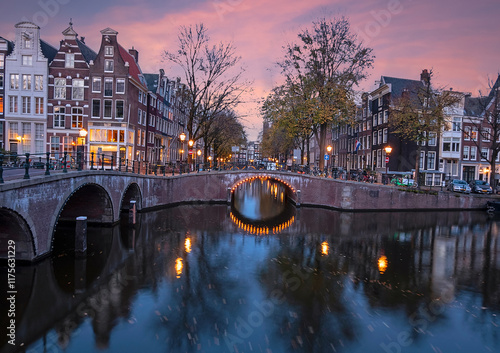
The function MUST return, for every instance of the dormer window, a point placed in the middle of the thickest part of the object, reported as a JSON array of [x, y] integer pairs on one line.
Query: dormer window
[[26, 40], [108, 65], [70, 60], [27, 60], [108, 51]]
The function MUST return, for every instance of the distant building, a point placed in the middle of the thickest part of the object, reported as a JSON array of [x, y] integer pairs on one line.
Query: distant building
[[6, 48]]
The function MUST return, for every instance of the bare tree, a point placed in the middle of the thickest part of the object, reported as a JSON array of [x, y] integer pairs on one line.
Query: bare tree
[[486, 123], [213, 83], [419, 114]]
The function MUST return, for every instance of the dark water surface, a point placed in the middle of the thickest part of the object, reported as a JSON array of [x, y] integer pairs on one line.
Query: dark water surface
[[211, 278]]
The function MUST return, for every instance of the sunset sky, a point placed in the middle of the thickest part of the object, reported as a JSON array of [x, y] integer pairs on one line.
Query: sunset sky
[[458, 39]]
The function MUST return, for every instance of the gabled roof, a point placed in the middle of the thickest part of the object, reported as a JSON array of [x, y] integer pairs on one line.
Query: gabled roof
[[87, 53], [134, 69], [495, 87], [10, 45], [399, 85], [474, 106], [152, 81], [48, 50]]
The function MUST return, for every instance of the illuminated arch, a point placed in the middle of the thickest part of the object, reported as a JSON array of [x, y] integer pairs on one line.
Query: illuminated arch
[[264, 177]]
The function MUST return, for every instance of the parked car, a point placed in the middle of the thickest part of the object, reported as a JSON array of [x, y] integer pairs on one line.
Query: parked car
[[38, 165], [459, 185], [480, 187]]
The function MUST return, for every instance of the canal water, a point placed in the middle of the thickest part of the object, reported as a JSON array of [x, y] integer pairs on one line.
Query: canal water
[[262, 276]]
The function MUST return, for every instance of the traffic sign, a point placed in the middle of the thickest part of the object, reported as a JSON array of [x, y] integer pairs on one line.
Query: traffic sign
[[327, 157], [386, 159]]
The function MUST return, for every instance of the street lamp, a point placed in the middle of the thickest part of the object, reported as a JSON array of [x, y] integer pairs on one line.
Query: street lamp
[[329, 149], [83, 134], [190, 153], [388, 150], [199, 154], [182, 137]]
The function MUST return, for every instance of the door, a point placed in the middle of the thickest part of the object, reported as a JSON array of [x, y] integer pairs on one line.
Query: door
[[469, 173]]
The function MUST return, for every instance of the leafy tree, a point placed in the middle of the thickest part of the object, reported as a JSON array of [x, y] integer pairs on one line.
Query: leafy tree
[[419, 114], [327, 62], [226, 131]]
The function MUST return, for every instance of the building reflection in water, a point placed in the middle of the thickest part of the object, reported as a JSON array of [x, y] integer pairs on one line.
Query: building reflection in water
[[194, 280]]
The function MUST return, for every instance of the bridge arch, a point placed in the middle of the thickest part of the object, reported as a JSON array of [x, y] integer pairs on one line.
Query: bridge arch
[[132, 192], [14, 227], [277, 178]]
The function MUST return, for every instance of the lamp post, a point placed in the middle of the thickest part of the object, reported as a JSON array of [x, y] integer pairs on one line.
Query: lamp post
[[329, 149], [190, 153], [197, 164], [182, 137], [388, 150], [83, 134]]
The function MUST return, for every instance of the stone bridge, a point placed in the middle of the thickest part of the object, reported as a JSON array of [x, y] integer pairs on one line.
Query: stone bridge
[[30, 209]]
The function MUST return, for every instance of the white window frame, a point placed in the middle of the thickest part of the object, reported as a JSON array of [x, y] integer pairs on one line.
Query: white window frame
[[473, 153], [14, 81], [116, 109], [431, 160], [26, 101], [96, 81], [120, 82], [59, 117], [92, 108], [59, 90], [27, 60], [109, 65], [485, 151], [69, 60], [466, 153], [39, 105], [108, 87], [13, 104], [108, 50], [110, 116], [38, 83], [78, 89]]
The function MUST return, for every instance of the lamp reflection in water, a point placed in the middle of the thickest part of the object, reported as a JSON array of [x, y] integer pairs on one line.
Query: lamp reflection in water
[[325, 248], [382, 264], [178, 267], [187, 245]]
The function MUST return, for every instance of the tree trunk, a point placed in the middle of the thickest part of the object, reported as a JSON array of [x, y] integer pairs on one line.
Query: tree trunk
[[302, 151], [308, 152], [417, 165], [322, 142]]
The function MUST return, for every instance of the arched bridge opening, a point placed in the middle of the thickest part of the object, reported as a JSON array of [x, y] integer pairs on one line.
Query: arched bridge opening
[[132, 193], [291, 194], [16, 240], [88, 200]]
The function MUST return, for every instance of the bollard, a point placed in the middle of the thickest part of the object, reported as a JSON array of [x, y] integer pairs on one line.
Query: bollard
[[132, 212], [47, 165], [298, 199], [80, 275], [81, 237], [27, 167]]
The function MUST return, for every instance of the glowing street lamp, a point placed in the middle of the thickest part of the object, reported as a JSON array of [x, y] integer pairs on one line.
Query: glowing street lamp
[[83, 134], [329, 150], [388, 150]]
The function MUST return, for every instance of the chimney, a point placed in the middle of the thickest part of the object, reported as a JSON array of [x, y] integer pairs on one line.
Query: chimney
[[82, 39], [134, 53], [425, 77]]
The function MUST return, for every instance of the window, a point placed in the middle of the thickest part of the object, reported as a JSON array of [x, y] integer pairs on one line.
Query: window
[[120, 85], [422, 159], [473, 134], [69, 60], [59, 116], [59, 88], [455, 145], [76, 118], [108, 87], [13, 104], [13, 130], [456, 124], [26, 40], [447, 144], [26, 105], [485, 153], [380, 118], [14, 81], [96, 84], [118, 109], [26, 79], [375, 138], [39, 138], [485, 134], [55, 146], [139, 117], [431, 160], [38, 82], [466, 154], [1, 106], [375, 119], [386, 116], [26, 137], [2, 61], [39, 105], [473, 153], [432, 139], [379, 136], [108, 65], [140, 97], [385, 135], [1, 81], [467, 133], [27, 60], [78, 89], [108, 104], [108, 51], [96, 108]]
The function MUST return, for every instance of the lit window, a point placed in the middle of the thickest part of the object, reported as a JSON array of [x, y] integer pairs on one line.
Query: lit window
[[39, 105], [76, 117]]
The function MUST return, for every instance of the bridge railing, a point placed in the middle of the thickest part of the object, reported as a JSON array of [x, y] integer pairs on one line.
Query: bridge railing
[[22, 166]]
